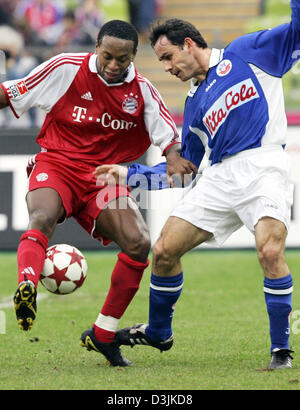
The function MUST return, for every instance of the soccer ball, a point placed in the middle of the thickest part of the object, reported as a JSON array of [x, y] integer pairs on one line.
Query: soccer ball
[[64, 270]]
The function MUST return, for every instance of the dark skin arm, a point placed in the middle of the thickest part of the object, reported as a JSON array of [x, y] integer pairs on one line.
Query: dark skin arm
[[3, 99]]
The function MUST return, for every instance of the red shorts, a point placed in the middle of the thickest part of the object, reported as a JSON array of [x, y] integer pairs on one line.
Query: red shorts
[[74, 181]]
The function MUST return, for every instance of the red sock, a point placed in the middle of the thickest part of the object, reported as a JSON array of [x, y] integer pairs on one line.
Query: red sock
[[125, 281], [31, 255]]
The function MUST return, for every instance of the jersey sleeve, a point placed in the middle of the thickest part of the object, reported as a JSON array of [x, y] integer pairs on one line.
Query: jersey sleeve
[[44, 85], [148, 178], [274, 51], [153, 178], [159, 123]]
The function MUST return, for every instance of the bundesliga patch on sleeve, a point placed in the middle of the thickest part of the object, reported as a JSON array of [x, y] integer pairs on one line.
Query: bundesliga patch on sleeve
[[17, 90]]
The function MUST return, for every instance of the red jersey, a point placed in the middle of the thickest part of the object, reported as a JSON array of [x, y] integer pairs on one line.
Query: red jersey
[[89, 119]]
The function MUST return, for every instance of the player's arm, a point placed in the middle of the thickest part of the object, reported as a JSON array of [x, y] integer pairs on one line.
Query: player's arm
[[274, 51], [111, 174], [3, 99], [137, 175], [42, 87], [177, 166], [141, 176], [295, 6], [163, 132]]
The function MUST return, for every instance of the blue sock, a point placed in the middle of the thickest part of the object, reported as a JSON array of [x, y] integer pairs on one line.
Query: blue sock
[[164, 293], [278, 297]]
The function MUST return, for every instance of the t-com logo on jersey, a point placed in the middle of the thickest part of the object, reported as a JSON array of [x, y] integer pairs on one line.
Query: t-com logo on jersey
[[232, 98], [106, 120]]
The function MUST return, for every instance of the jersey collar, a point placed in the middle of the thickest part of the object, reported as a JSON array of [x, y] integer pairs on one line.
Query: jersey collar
[[129, 77], [215, 57]]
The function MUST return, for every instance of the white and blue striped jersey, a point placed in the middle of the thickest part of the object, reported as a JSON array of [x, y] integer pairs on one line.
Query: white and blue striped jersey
[[240, 104]]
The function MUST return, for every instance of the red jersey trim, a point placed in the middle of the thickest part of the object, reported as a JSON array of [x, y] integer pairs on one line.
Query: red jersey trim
[[47, 73], [8, 100], [164, 113], [34, 80], [172, 143]]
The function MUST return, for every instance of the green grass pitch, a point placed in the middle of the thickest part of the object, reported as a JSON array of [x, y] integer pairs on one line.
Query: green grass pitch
[[220, 326]]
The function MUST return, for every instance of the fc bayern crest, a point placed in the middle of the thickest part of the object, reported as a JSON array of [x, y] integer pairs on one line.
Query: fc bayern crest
[[42, 177], [130, 104], [224, 68]]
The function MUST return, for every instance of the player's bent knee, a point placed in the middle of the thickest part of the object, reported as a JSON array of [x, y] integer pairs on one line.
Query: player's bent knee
[[163, 257], [271, 259], [138, 247], [43, 222], [269, 253]]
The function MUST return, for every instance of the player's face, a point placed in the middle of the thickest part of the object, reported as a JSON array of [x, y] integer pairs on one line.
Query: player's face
[[114, 57], [178, 61]]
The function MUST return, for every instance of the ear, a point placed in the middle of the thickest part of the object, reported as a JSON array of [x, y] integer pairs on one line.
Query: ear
[[133, 56], [188, 43], [97, 44]]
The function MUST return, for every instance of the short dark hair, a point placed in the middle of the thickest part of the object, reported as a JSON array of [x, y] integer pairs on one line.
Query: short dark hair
[[176, 31], [120, 29]]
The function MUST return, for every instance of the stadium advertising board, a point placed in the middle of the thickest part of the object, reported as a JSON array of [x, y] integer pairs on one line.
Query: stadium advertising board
[[17, 146]]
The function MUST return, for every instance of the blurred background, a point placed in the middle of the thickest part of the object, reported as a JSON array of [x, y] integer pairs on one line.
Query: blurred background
[[32, 31]]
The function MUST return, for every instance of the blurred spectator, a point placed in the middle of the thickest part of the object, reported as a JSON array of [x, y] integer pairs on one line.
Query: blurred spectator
[[7, 8], [73, 30], [18, 64], [262, 6], [5, 16], [142, 13], [36, 16], [90, 19], [63, 34], [134, 9], [70, 32]]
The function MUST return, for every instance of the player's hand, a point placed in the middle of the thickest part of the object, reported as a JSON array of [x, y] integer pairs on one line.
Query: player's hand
[[111, 175], [180, 168]]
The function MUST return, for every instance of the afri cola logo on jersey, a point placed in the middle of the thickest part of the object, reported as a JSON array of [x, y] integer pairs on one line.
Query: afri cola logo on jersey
[[106, 120], [232, 98]]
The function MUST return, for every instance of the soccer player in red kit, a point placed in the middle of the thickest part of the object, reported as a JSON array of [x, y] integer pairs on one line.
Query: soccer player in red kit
[[99, 110]]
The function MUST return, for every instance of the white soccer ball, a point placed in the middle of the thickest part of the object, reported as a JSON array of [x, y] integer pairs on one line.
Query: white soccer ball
[[64, 270]]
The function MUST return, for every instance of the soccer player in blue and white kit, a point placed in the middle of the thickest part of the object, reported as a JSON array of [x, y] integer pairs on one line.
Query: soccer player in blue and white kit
[[235, 114]]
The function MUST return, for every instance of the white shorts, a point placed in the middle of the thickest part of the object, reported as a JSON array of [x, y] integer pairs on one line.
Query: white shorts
[[239, 191]]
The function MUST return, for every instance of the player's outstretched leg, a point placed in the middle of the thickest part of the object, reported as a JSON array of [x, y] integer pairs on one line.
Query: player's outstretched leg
[[25, 304], [278, 297], [31, 257], [136, 335], [281, 359], [164, 293], [111, 350], [270, 235], [166, 285]]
